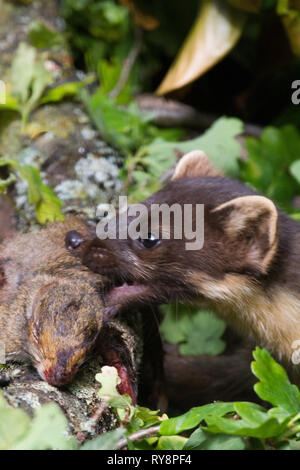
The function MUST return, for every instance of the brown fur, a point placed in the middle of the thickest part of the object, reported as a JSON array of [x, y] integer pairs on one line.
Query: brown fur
[[248, 270], [50, 305]]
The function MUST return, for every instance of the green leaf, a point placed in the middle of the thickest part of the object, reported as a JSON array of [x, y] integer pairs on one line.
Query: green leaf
[[193, 418], [295, 170], [61, 92], [14, 424], [124, 128], [42, 36], [196, 439], [48, 430], [171, 443], [35, 79], [47, 204], [109, 379], [274, 385], [252, 421], [198, 331], [22, 66], [218, 142], [109, 73], [201, 440], [268, 166], [106, 441]]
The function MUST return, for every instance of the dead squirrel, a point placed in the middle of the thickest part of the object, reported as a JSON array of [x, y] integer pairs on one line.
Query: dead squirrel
[[247, 271], [51, 310]]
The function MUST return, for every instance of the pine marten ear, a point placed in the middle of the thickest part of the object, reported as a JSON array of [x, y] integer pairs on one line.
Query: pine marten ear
[[250, 227], [193, 165]]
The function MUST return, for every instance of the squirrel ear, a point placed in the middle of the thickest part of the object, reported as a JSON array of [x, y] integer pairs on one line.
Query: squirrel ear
[[194, 164], [250, 226]]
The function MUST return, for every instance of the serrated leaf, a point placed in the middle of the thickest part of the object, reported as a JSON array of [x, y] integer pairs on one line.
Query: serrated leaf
[[193, 418], [252, 421], [274, 385]]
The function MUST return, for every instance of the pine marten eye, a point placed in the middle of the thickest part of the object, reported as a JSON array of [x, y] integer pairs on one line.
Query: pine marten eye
[[73, 240], [149, 242]]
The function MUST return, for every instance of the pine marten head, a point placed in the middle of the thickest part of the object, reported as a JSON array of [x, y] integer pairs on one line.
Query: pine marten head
[[64, 321], [241, 242]]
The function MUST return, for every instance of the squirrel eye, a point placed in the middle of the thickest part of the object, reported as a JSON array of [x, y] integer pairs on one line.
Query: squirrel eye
[[73, 240], [149, 242]]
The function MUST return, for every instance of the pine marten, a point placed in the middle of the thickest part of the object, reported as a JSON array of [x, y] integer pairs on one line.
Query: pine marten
[[51, 308], [247, 271]]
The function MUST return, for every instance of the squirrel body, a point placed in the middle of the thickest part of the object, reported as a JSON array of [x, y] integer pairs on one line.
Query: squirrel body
[[247, 271], [51, 309]]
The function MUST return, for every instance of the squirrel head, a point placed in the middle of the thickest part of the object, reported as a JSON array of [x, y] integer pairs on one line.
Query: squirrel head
[[64, 320]]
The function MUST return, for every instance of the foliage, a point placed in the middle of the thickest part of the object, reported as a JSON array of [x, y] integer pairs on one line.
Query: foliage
[[196, 331], [277, 427], [102, 34], [216, 426], [35, 79], [46, 203], [32, 90], [272, 165], [47, 430]]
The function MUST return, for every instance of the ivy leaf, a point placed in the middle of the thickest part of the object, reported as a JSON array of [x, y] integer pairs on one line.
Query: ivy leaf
[[197, 331]]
